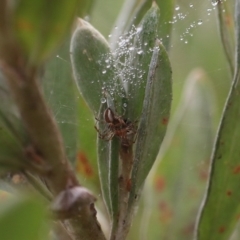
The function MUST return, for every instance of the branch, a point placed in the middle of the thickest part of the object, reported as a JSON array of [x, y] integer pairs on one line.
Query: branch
[[48, 146]]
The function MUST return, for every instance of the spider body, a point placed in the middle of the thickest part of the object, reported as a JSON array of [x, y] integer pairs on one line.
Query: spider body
[[119, 127]]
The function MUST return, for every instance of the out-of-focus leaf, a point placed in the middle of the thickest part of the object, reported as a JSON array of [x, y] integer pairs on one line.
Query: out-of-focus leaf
[[107, 8], [85, 7], [226, 25], [86, 165], [183, 170], [40, 25], [92, 65], [124, 18], [154, 119], [13, 136], [221, 207], [23, 218], [60, 92]]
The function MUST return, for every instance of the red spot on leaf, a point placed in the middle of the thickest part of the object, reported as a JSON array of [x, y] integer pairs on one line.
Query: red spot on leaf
[[165, 121], [221, 229], [228, 20], [166, 213], [236, 170], [203, 172], [229, 193], [160, 183], [83, 165], [188, 230]]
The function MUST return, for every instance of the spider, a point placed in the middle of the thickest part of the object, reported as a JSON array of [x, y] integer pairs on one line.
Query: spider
[[117, 126]]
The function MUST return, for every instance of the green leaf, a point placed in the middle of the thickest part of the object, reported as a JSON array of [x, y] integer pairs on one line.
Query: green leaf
[[182, 172], [166, 16], [85, 7], [133, 12], [104, 148], [108, 162], [226, 26], [92, 65], [221, 209], [60, 93], [24, 219], [13, 136], [154, 119], [140, 59], [40, 25]]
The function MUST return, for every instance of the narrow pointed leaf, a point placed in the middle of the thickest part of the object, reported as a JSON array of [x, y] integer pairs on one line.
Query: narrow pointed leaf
[[166, 16], [221, 207], [108, 155], [103, 148], [154, 119], [140, 59], [132, 13]]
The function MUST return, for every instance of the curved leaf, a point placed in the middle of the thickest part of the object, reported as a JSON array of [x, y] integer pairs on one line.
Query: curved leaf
[[140, 59], [154, 119], [92, 65], [221, 209]]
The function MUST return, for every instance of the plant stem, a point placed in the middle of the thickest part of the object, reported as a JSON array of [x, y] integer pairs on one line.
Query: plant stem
[[122, 229], [47, 141]]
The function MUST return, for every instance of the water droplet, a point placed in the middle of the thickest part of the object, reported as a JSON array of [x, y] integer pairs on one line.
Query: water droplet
[[103, 100], [125, 105], [215, 2], [145, 44], [104, 71], [131, 48], [200, 22], [108, 66], [139, 29], [177, 8], [139, 52], [190, 5], [110, 35]]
